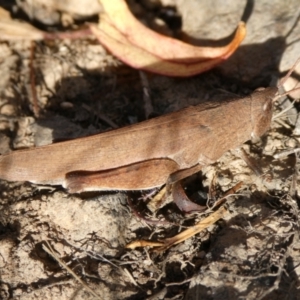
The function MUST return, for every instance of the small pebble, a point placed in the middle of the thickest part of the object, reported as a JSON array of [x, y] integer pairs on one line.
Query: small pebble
[[292, 83], [8, 110], [291, 143]]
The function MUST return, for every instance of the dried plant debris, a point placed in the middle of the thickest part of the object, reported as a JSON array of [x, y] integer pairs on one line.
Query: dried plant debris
[[142, 48], [55, 245], [130, 41]]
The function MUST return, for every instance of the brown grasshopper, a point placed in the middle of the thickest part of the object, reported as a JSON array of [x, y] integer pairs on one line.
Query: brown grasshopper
[[149, 154], [155, 152]]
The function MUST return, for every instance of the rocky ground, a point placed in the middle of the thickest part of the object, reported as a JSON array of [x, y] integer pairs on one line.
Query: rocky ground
[[56, 245]]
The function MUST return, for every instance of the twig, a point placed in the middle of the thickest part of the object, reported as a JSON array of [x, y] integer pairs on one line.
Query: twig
[[231, 192], [51, 253], [282, 81], [81, 33], [210, 220], [97, 256], [35, 108], [179, 283], [286, 153], [284, 111], [285, 94], [148, 107], [101, 116]]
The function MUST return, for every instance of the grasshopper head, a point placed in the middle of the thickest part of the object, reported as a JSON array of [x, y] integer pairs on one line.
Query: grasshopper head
[[261, 110]]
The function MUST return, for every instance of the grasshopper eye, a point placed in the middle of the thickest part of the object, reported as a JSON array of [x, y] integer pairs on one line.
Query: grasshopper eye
[[267, 106]]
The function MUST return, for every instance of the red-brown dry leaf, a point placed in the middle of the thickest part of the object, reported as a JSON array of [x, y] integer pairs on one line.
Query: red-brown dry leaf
[[118, 15], [141, 48], [141, 59]]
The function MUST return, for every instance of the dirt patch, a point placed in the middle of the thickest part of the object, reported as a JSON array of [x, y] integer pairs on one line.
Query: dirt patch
[[253, 253]]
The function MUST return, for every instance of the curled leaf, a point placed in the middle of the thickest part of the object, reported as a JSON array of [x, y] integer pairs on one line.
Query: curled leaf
[[182, 201], [141, 48], [139, 58], [166, 48]]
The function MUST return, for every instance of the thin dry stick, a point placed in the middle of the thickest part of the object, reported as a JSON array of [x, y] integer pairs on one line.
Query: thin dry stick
[[283, 80], [35, 108], [284, 111], [286, 153], [294, 179], [101, 116], [97, 256], [179, 283], [285, 94], [210, 220], [51, 253], [78, 34], [146, 94], [229, 193]]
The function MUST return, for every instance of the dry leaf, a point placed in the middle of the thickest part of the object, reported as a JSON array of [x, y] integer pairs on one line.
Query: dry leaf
[[167, 243], [141, 59], [138, 58], [200, 226], [142, 48], [118, 15]]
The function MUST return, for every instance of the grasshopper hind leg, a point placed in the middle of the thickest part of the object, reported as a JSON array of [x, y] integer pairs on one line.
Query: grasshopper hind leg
[[138, 176]]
